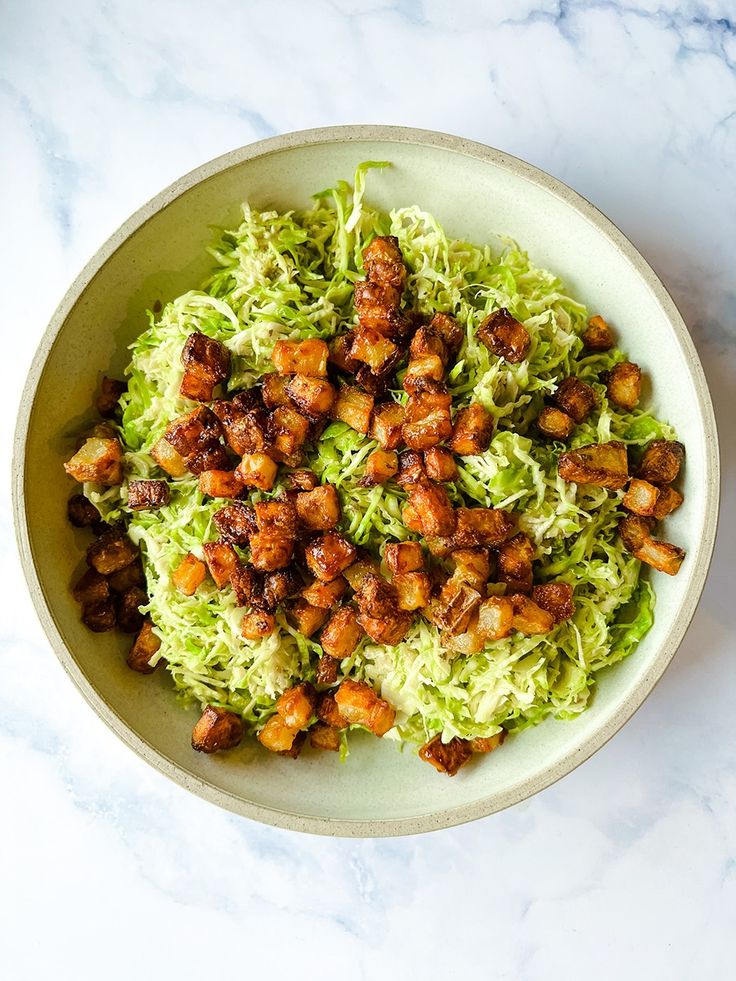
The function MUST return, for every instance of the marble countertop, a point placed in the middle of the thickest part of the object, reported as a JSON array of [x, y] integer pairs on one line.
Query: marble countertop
[[107, 867]]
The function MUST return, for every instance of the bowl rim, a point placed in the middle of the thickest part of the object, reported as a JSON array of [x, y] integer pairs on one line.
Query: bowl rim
[[700, 557]]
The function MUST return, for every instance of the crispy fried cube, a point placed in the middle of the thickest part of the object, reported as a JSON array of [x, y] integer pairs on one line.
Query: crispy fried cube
[[341, 634], [328, 712], [99, 617], [147, 494], [641, 497], [598, 335], [302, 480], [401, 557], [206, 357], [247, 585], [235, 523], [388, 418], [377, 306], [383, 262], [504, 336], [554, 423], [269, 551], [668, 501], [99, 460], [576, 398], [91, 588], [457, 603], [279, 585], [212, 457], [81, 512], [189, 574], [623, 385], [326, 673], [529, 617], [128, 604], [221, 561], [194, 431], [108, 398], [377, 383], [487, 744], [196, 386], [257, 624], [466, 643], [380, 466], [449, 330], [318, 509], [661, 461], [637, 539], [325, 594], [322, 736], [427, 419], [246, 430], [515, 564], [329, 555], [483, 526], [354, 408], [425, 341], [412, 518], [555, 598], [254, 470], [144, 647], [372, 348], [439, 464], [276, 517], [340, 354], [434, 508], [112, 551], [307, 618], [288, 431], [297, 705], [472, 432], [495, 618], [357, 571], [312, 396], [376, 597], [386, 630], [421, 368], [221, 483], [359, 704], [413, 590], [277, 736], [411, 468], [305, 357], [273, 390], [217, 728], [128, 576], [168, 458], [472, 566], [601, 464], [446, 757]]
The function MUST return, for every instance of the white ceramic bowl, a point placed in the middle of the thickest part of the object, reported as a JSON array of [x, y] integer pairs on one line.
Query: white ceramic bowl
[[158, 253]]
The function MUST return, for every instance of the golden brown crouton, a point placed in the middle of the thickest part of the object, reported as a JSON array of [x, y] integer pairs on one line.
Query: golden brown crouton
[[487, 744], [411, 468], [329, 555], [91, 588], [312, 396], [427, 419], [503, 335], [217, 729], [637, 539], [326, 673], [147, 494], [318, 509], [388, 418], [377, 306], [413, 590], [144, 647], [81, 512], [108, 399], [426, 341], [598, 335], [297, 705], [168, 458], [515, 564], [288, 431], [668, 501], [360, 706], [472, 566], [342, 633], [189, 574], [357, 571], [328, 712], [100, 460], [576, 398], [554, 423], [273, 390], [446, 757], [307, 618], [623, 385], [277, 736], [269, 551], [661, 461], [354, 408], [403, 557], [495, 618], [276, 517], [641, 497], [112, 551], [322, 736], [383, 262], [325, 594], [129, 616], [386, 630], [555, 598], [601, 464], [307, 357], [302, 480], [472, 432], [254, 470], [434, 508], [439, 464], [475, 526], [340, 354], [221, 560], [449, 330], [245, 430], [221, 483], [235, 523], [380, 466], [421, 368], [456, 604], [529, 618], [372, 348]]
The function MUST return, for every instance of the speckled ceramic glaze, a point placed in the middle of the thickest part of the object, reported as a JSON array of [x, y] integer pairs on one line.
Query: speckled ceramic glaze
[[475, 191]]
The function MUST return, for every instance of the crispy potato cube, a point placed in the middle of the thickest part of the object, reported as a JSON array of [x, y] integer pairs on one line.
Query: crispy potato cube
[[194, 431], [341, 634], [472, 432], [641, 497], [99, 617], [601, 464], [221, 561], [422, 367], [457, 603], [383, 262], [81, 512], [357, 571], [340, 354], [376, 597], [623, 385], [279, 585], [380, 466], [446, 757], [147, 494], [427, 419], [495, 618], [206, 357], [668, 501], [302, 480], [254, 470], [245, 430], [277, 736], [297, 705], [515, 564], [128, 576], [91, 588], [257, 624], [411, 518], [269, 551], [276, 518], [597, 335], [354, 408], [329, 555], [637, 539], [472, 566], [235, 523], [576, 398], [449, 330], [554, 423], [273, 390], [359, 704], [487, 744], [372, 348], [112, 551], [504, 336], [661, 461], [305, 357], [377, 383], [401, 557], [129, 616], [221, 483], [386, 630], [413, 590], [411, 468], [212, 457], [108, 399], [466, 643], [325, 594], [328, 711], [377, 306], [289, 430], [189, 574], [326, 673], [144, 647], [100, 460], [440, 464], [307, 618], [196, 386], [168, 458], [477, 526], [529, 617], [555, 598], [247, 585], [312, 396], [425, 341], [388, 418], [322, 736], [434, 507], [318, 509], [217, 728]]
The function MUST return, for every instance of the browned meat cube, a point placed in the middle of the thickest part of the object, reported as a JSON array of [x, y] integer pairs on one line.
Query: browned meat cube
[[221, 561], [307, 618], [472, 432], [129, 616], [307, 357], [194, 431], [495, 618], [108, 398], [99, 617], [302, 480], [601, 464], [144, 647], [411, 469], [81, 512], [147, 494], [427, 419], [360, 706], [446, 757], [329, 555], [207, 358], [637, 539], [449, 330], [128, 576], [425, 341], [279, 585], [246, 430], [529, 618], [440, 464], [487, 744], [597, 335], [247, 585], [217, 728], [235, 523], [354, 408], [325, 594], [383, 262], [318, 509], [277, 736], [472, 566], [100, 460], [340, 354], [322, 736], [388, 418], [554, 423], [515, 564], [212, 457], [386, 630], [326, 673], [257, 624], [312, 396], [377, 306], [555, 598], [575, 398], [641, 497], [112, 551], [380, 466], [168, 458], [623, 385], [668, 501], [297, 705], [426, 366], [342, 634], [254, 470], [328, 712], [270, 551], [413, 590], [221, 483], [273, 390], [661, 461], [504, 336], [411, 518], [357, 571], [372, 348], [456, 604], [288, 430], [403, 557], [376, 597], [434, 507], [276, 518], [91, 588], [189, 574]]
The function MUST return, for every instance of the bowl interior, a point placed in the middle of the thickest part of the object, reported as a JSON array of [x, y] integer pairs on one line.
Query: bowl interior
[[160, 254]]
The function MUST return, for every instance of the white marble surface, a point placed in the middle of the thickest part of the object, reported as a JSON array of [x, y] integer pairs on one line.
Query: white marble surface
[[625, 869]]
